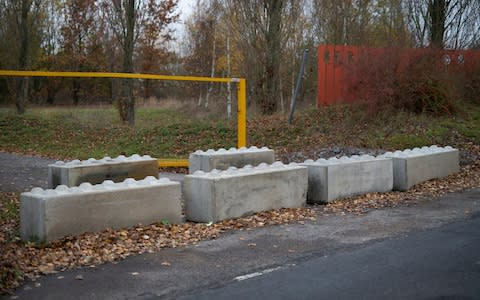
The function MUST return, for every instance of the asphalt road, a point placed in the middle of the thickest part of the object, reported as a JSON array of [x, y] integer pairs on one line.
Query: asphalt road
[[430, 250], [21, 173], [442, 263]]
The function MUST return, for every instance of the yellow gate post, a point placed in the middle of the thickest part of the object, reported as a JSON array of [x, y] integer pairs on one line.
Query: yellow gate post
[[241, 97], [242, 113]]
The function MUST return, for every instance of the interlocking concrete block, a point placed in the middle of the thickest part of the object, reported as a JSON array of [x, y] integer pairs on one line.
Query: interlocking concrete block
[[347, 176], [220, 195], [95, 171], [414, 166], [50, 214], [223, 159]]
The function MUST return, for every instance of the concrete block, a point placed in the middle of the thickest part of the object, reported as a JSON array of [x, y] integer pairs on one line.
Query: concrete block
[[223, 159], [94, 171], [347, 176], [220, 195], [50, 214], [414, 166]]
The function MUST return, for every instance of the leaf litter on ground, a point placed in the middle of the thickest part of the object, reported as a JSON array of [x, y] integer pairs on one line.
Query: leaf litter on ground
[[19, 260]]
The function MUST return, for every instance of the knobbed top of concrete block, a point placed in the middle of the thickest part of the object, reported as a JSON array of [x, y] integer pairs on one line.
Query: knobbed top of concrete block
[[105, 186], [337, 161], [105, 160], [246, 170], [418, 151], [223, 151]]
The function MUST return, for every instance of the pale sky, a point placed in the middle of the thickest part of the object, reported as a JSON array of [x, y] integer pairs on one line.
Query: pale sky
[[185, 8]]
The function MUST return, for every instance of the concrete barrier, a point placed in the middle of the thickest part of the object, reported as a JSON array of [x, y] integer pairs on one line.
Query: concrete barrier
[[94, 171], [414, 166], [223, 159], [54, 213], [220, 195], [338, 178]]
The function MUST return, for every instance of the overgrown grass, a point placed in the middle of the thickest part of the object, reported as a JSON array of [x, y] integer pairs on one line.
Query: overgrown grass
[[96, 132]]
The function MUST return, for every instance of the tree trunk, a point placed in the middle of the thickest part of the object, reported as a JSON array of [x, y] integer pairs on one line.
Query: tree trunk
[[229, 84], [437, 10], [212, 72], [23, 58], [75, 92], [127, 102], [146, 90], [51, 91], [22, 95], [272, 80]]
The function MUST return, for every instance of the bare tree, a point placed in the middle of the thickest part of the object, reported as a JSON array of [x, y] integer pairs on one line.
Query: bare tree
[[444, 23], [437, 11], [258, 26], [129, 20], [122, 15], [417, 20], [77, 32], [343, 21], [22, 24]]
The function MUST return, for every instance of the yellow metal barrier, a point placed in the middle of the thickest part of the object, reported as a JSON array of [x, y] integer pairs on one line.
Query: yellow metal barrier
[[165, 163], [241, 96]]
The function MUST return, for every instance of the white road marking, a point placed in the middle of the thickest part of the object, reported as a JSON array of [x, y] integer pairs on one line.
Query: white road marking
[[256, 274]]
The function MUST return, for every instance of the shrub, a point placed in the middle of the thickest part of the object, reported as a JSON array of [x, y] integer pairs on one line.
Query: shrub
[[415, 80], [472, 81]]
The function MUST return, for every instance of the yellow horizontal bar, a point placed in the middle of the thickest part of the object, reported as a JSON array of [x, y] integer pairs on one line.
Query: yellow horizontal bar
[[165, 163], [113, 75]]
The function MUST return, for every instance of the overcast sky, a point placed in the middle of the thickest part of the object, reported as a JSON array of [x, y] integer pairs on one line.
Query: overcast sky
[[185, 7]]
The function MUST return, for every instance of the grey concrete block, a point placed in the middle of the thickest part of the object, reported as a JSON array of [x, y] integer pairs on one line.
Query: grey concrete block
[[94, 171], [220, 195], [223, 159], [50, 214], [411, 167], [334, 178]]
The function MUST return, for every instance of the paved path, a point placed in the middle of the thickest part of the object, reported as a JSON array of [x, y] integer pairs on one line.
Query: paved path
[[353, 253], [20, 173]]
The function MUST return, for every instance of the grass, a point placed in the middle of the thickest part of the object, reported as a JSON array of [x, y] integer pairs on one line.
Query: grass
[[167, 133]]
